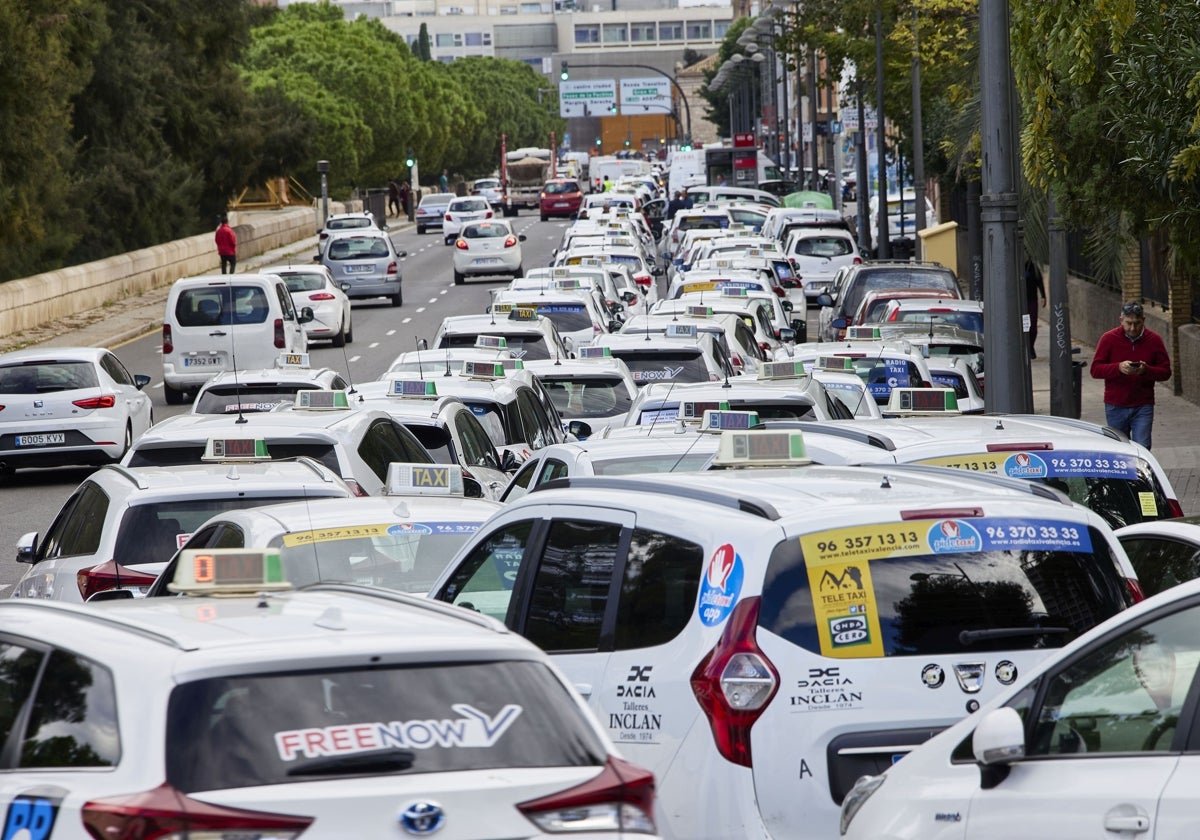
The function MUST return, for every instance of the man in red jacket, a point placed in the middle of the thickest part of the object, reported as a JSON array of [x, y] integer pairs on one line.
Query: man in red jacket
[[226, 246], [1130, 359]]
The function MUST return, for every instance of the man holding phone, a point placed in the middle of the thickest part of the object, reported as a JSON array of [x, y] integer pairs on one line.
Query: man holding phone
[[1130, 359]]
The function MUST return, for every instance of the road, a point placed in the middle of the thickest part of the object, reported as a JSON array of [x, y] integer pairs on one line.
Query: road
[[31, 498]]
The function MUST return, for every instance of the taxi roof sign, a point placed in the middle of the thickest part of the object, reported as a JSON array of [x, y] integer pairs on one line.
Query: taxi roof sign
[[314, 400], [768, 371], [681, 330], [720, 421], [923, 401], [413, 388], [512, 364], [693, 311], [236, 449], [691, 410], [835, 363], [228, 571], [761, 448], [523, 313], [408, 479], [862, 333], [571, 284], [292, 360], [735, 291], [594, 353], [491, 342], [483, 370]]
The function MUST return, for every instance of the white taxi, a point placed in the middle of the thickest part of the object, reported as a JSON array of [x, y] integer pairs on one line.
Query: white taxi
[[265, 389], [278, 713]]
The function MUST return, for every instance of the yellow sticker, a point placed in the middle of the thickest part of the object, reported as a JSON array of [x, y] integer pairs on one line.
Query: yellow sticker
[[974, 463], [346, 532], [844, 604], [699, 286], [1149, 505], [866, 542]]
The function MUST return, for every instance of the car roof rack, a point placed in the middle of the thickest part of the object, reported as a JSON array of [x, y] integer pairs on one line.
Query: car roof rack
[[755, 507]]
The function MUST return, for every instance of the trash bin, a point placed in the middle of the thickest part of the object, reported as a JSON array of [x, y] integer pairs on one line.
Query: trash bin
[[1077, 387], [375, 202]]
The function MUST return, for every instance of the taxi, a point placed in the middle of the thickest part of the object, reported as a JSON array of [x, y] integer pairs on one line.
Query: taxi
[[883, 365], [527, 334], [447, 359], [245, 707], [740, 342], [680, 354], [773, 634], [244, 391], [574, 312], [590, 392], [763, 312], [801, 399], [401, 540], [837, 374]]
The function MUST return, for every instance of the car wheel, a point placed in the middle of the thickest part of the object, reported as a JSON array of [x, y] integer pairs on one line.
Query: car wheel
[[519, 273], [398, 299], [459, 278], [349, 331], [420, 230], [545, 218], [339, 340], [128, 443], [446, 240], [173, 396]]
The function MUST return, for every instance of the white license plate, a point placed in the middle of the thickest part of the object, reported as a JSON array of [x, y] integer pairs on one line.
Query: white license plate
[[359, 269], [562, 204], [41, 440], [201, 361], [487, 261]]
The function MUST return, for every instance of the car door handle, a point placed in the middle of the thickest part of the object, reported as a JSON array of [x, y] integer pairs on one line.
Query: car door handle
[[585, 689], [1119, 819], [217, 332]]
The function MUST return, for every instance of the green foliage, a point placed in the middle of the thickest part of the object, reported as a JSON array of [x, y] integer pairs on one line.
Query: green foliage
[[717, 110], [424, 51]]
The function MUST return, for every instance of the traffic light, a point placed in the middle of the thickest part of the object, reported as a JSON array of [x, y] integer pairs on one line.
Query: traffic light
[[598, 143], [564, 74], [410, 158]]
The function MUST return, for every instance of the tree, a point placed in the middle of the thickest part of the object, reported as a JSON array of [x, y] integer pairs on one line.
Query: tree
[[424, 49]]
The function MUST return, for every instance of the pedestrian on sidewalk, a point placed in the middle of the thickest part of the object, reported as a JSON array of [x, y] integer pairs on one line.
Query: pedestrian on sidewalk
[[1034, 286], [444, 181], [393, 192], [1130, 359], [405, 195], [226, 246]]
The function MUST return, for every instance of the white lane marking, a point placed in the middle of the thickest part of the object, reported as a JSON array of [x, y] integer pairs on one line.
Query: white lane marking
[[390, 332], [420, 309], [433, 300], [405, 321], [355, 358], [442, 292], [372, 345]]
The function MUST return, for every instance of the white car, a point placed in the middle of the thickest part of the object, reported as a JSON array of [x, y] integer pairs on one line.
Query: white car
[[817, 253], [248, 391], [313, 286], [487, 248], [590, 392], [245, 707], [461, 211], [490, 189], [1165, 552], [68, 405]]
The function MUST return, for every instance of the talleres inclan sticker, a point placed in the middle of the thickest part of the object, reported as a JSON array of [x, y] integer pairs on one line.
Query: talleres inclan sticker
[[721, 585]]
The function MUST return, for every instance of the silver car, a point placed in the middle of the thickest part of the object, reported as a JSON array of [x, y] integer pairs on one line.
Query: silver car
[[367, 262]]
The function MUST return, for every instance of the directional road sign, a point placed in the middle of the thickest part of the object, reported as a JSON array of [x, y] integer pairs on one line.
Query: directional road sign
[[646, 96], [587, 98]]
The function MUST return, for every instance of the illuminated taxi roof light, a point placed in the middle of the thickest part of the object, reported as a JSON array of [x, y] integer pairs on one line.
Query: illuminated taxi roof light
[[523, 313], [681, 331], [693, 411], [491, 342], [483, 370], [761, 448], [236, 449], [568, 285], [594, 353], [406, 479], [228, 571], [322, 400], [292, 360], [413, 388], [923, 401], [835, 363], [723, 420], [512, 364], [735, 291], [861, 333], [699, 311], [501, 308], [768, 371]]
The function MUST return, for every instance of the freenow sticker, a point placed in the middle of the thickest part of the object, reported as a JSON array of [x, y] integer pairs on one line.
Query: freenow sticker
[[721, 585], [472, 730], [656, 375]]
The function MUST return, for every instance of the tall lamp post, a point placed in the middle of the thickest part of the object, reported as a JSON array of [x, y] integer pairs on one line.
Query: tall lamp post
[[323, 169]]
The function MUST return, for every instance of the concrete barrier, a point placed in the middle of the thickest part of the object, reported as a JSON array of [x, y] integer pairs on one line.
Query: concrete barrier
[[33, 301]]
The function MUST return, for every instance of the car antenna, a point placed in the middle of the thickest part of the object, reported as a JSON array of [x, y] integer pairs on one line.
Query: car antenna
[[237, 385], [447, 373], [349, 375], [420, 373]]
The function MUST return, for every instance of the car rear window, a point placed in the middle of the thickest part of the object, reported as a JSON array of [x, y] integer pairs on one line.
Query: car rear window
[[247, 398], [567, 317], [702, 222], [209, 306], [674, 366], [526, 347], [358, 248], [191, 453], [823, 246], [954, 586], [972, 321], [591, 397], [312, 282], [46, 377], [271, 729], [560, 187], [474, 205], [485, 231], [898, 278], [348, 224]]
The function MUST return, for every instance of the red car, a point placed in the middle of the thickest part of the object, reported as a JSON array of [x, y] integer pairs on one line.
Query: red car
[[561, 197]]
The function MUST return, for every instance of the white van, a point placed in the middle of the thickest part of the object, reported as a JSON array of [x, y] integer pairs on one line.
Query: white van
[[226, 322], [902, 215]]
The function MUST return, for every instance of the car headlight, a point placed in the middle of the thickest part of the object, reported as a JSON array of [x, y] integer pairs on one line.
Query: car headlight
[[857, 797]]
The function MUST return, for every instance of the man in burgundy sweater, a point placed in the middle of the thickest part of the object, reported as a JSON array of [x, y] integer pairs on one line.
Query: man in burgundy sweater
[[1130, 359]]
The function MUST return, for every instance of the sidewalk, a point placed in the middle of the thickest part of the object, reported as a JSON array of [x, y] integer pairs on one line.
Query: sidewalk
[[1176, 420]]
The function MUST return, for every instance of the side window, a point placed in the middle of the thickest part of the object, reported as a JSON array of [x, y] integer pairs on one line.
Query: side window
[[285, 302], [571, 587], [79, 532], [1161, 563], [484, 580], [519, 485], [73, 718], [384, 443], [230, 536], [658, 590], [1122, 697], [18, 671], [113, 367], [533, 422], [477, 448], [554, 469], [50, 544]]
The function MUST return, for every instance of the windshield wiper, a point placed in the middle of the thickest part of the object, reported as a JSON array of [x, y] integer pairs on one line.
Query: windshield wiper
[[970, 637], [365, 762]]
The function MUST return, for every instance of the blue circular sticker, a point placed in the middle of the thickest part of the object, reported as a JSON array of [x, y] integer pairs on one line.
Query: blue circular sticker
[[1025, 465], [721, 585]]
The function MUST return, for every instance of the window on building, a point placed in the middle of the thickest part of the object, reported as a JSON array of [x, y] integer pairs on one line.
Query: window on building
[[616, 33], [670, 31], [444, 39], [699, 30], [473, 39], [720, 29], [642, 32], [587, 34]]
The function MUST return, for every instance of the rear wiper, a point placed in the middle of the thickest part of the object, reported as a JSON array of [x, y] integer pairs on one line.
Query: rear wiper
[[364, 762], [970, 637]]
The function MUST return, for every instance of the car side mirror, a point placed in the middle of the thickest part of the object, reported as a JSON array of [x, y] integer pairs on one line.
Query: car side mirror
[[799, 327], [401, 254], [787, 335], [656, 270], [999, 740], [614, 326], [422, 344], [317, 258], [787, 305], [824, 299], [140, 380], [839, 323], [306, 315], [580, 429], [346, 287], [27, 547], [521, 237], [508, 461]]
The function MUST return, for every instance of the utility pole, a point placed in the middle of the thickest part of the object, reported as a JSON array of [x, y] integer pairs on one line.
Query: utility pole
[[862, 189], [918, 140], [814, 183], [1009, 388], [884, 243], [1063, 399]]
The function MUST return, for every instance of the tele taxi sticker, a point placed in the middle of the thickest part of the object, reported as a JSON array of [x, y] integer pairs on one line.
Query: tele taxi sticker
[[721, 585]]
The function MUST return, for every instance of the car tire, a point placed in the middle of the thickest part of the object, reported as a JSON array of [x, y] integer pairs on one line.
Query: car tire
[[519, 273], [459, 278], [339, 340], [350, 332], [398, 298], [420, 230], [545, 218], [173, 396], [446, 240], [128, 443]]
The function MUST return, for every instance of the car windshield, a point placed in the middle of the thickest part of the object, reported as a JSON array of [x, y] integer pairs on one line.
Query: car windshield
[[46, 376], [310, 282], [582, 398], [232, 399], [358, 248], [249, 730], [664, 366]]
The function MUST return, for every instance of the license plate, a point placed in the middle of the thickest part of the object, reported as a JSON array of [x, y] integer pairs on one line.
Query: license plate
[[201, 361], [562, 204], [42, 440], [487, 261], [359, 269]]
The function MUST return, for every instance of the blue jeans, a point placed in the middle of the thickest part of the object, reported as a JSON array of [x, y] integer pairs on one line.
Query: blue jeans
[[1133, 420]]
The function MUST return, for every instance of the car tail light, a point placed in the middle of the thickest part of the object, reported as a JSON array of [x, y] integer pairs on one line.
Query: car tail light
[[166, 813], [941, 513], [643, 280], [737, 361], [393, 268], [1172, 504], [766, 348], [460, 244], [1, 408], [1040, 446], [449, 218], [103, 401], [320, 296], [779, 291], [1135, 590], [735, 682], [858, 261], [620, 799], [168, 345], [280, 342], [110, 575], [792, 260], [488, 215], [510, 241], [355, 487]]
